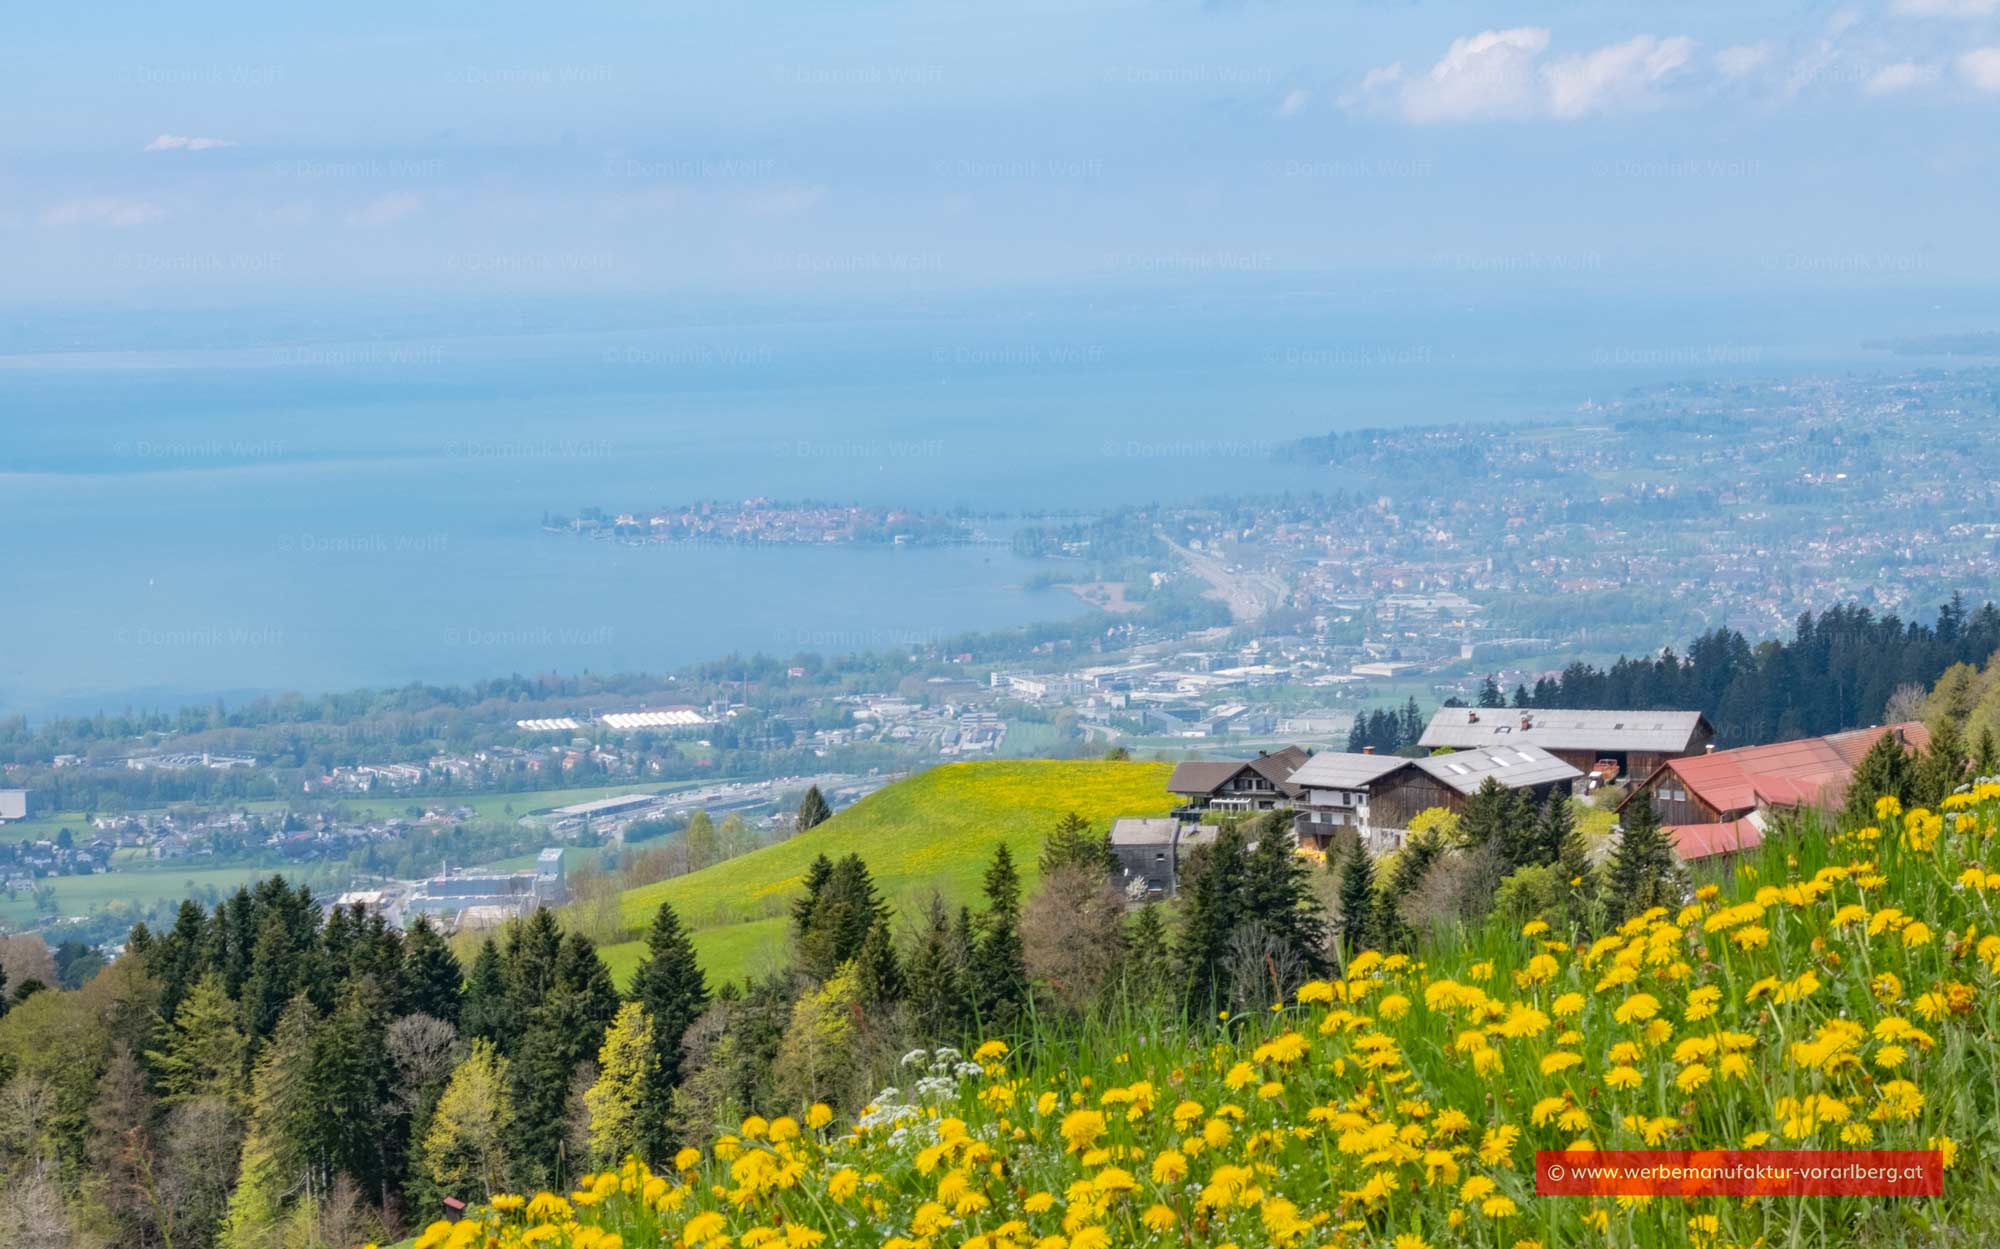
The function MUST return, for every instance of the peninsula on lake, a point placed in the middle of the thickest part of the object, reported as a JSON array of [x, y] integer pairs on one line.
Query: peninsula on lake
[[766, 522]]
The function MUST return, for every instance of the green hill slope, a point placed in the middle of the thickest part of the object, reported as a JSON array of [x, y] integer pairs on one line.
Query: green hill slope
[[935, 830]]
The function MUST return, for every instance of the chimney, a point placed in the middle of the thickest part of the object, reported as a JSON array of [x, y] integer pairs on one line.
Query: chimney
[[1472, 717], [1527, 721], [1711, 749], [1367, 750]]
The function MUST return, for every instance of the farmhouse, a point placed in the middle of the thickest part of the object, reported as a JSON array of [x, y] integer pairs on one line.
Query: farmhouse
[[1718, 803], [1241, 786], [1637, 741], [1378, 795]]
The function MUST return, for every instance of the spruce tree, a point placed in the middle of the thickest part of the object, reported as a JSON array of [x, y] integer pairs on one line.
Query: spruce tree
[[1149, 967], [1357, 898], [203, 1052], [818, 872], [1420, 851], [1579, 877], [485, 1013], [940, 1005], [1884, 772], [1645, 872], [880, 971], [1212, 907], [350, 1083], [432, 981], [1277, 894], [1941, 767], [813, 811], [273, 977], [1489, 693], [1073, 844], [582, 972], [1552, 825], [998, 970], [846, 908], [280, 1158], [1986, 755], [670, 986]]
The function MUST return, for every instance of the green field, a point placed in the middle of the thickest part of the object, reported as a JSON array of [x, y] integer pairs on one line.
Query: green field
[[140, 886], [936, 830]]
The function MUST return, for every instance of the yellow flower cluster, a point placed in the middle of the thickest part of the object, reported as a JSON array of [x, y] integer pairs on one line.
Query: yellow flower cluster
[[1849, 1003]]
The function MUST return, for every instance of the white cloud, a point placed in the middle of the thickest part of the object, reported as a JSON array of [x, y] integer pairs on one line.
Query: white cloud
[[186, 143], [1945, 8], [1619, 73], [1491, 74], [1741, 59], [1294, 101], [1500, 74], [1981, 68], [102, 210], [1898, 77], [388, 209]]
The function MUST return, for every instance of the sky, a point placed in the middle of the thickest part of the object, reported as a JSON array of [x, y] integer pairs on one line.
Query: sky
[[224, 152]]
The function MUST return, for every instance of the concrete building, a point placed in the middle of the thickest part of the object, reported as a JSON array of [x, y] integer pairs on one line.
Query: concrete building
[[481, 899]]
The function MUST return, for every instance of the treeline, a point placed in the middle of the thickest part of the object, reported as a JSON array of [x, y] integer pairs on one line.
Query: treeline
[[1839, 670]]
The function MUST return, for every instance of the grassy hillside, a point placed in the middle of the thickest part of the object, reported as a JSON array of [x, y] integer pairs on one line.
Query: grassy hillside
[[1840, 992], [935, 830]]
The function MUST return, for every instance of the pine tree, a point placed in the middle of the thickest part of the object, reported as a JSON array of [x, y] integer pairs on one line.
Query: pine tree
[[203, 1052], [1489, 693], [279, 1161], [433, 983], [1072, 843], [670, 986], [627, 1070], [940, 1004], [998, 971], [880, 972], [1645, 872], [1357, 898], [485, 1014], [813, 811], [471, 1134]]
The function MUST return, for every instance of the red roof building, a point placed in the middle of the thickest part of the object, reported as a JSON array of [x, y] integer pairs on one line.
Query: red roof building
[[1716, 803]]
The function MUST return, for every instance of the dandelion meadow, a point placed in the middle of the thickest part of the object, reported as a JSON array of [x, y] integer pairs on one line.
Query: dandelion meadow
[[1837, 993]]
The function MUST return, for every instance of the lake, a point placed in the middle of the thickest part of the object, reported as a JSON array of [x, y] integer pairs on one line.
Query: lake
[[226, 503]]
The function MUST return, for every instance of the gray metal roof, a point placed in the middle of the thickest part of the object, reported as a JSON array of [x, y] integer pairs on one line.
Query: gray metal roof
[[1515, 766], [1337, 770], [1137, 831], [1553, 729]]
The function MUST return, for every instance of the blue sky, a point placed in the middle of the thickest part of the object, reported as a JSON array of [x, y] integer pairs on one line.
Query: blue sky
[[219, 151]]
